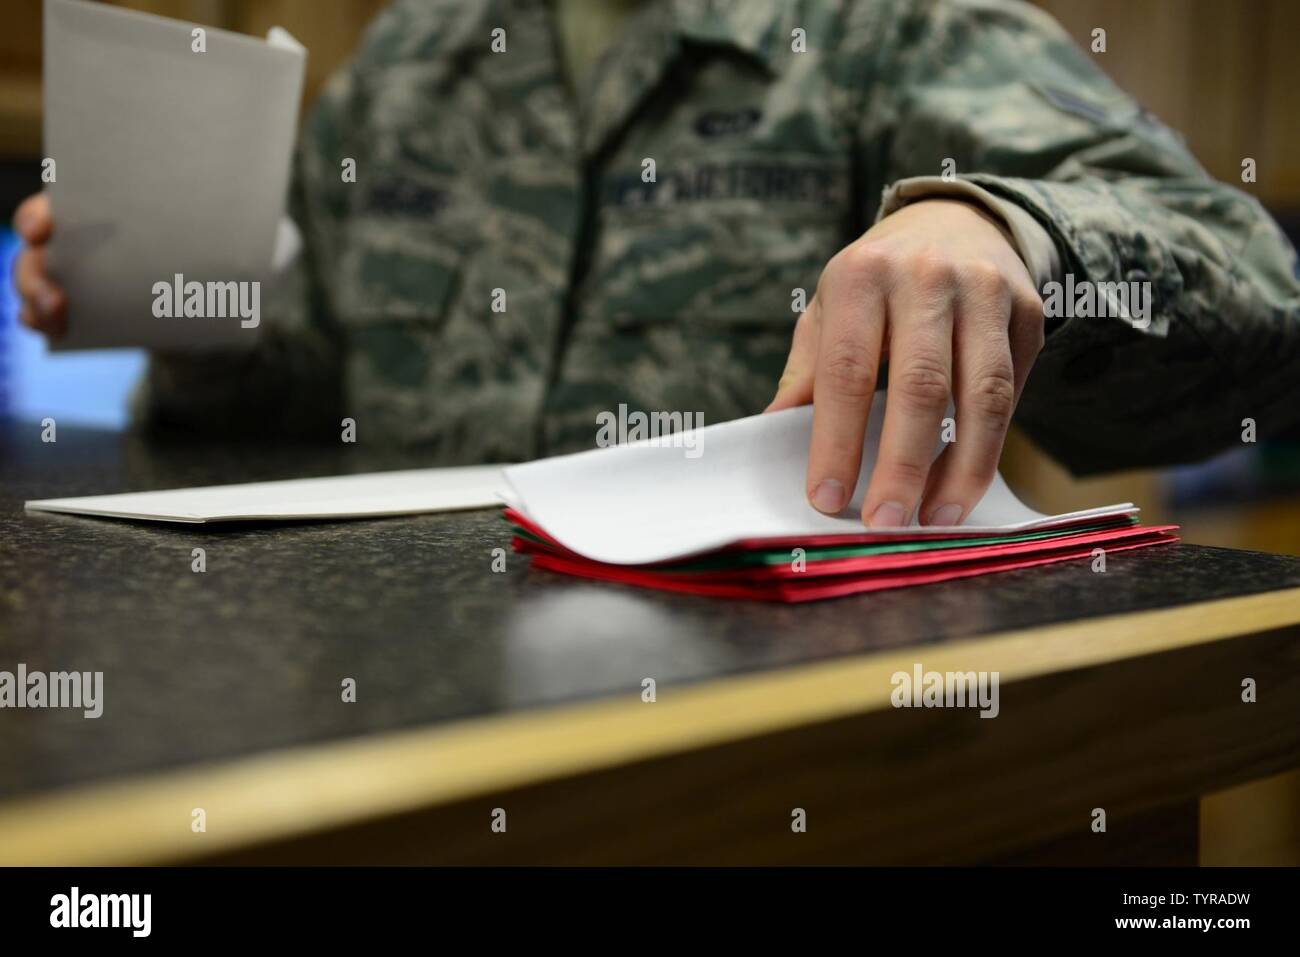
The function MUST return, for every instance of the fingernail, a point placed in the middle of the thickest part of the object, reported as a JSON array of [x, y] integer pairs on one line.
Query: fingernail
[[829, 497], [889, 515], [947, 515]]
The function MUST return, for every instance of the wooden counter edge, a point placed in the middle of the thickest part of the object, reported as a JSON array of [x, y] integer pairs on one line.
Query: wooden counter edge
[[295, 791]]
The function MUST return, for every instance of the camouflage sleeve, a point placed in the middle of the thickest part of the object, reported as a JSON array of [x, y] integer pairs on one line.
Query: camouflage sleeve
[[290, 383], [1000, 90]]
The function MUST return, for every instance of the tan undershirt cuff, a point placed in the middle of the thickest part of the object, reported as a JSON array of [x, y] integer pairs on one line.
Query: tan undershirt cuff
[[1032, 242]]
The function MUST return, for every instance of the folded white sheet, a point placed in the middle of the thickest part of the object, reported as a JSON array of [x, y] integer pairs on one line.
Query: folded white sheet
[[658, 500]]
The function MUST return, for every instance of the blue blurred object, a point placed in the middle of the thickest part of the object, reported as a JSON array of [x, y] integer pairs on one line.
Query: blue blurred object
[[80, 388]]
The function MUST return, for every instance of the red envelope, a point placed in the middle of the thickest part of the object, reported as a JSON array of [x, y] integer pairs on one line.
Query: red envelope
[[862, 564], [794, 589]]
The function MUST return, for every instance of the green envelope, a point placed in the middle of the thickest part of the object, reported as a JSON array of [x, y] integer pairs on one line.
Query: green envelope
[[782, 556]]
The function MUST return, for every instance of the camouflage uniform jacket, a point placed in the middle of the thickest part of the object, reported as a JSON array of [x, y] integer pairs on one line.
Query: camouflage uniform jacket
[[502, 269]]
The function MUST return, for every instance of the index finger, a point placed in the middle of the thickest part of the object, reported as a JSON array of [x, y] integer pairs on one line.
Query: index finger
[[848, 361]]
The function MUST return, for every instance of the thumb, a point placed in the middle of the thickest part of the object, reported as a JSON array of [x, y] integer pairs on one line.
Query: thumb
[[796, 385]]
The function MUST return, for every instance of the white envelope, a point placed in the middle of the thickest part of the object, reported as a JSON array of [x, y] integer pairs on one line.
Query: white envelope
[[344, 496], [168, 163]]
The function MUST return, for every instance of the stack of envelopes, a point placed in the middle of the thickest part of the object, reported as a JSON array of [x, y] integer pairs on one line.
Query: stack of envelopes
[[829, 566], [722, 511]]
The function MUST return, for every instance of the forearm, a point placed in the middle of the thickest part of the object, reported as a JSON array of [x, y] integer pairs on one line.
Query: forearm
[[1217, 342], [997, 94]]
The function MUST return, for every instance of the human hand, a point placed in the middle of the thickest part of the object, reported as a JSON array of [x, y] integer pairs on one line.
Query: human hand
[[939, 289], [44, 305]]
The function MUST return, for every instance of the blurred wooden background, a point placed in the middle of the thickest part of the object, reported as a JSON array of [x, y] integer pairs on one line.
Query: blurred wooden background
[[1224, 72]]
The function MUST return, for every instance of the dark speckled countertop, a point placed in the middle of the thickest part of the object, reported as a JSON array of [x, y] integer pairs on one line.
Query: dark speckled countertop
[[250, 655]]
